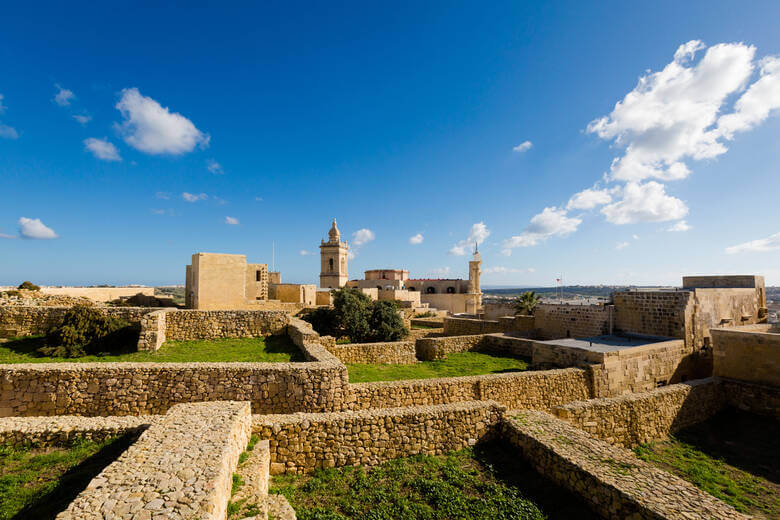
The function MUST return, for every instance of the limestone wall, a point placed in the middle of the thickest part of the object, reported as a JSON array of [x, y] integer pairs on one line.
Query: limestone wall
[[467, 326], [438, 347], [554, 321], [749, 354], [655, 313], [65, 429], [536, 389], [20, 320], [757, 399], [152, 334], [398, 352], [98, 294], [635, 419], [493, 311], [181, 467], [611, 480], [198, 324], [301, 443]]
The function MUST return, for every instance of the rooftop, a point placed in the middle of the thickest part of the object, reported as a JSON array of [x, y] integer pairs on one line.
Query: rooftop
[[607, 342]]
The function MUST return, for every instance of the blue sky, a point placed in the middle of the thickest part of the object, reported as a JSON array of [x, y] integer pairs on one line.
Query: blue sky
[[133, 136]]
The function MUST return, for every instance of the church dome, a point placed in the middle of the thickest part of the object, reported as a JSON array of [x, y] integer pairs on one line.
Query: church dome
[[334, 234]]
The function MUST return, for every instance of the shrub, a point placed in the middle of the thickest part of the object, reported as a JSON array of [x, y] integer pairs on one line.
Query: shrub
[[87, 330], [12, 293], [354, 314], [29, 286]]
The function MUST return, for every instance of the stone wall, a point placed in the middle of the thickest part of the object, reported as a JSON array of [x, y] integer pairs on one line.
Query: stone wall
[[750, 353], [757, 399], [612, 481], [541, 390], [390, 352], [655, 313], [439, 347], [468, 326], [635, 419], [19, 320], [99, 294], [196, 324], [65, 429], [554, 321], [181, 467], [152, 334], [301, 443]]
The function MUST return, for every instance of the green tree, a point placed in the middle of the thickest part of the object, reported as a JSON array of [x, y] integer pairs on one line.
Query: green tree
[[86, 330], [527, 302], [353, 310], [386, 323]]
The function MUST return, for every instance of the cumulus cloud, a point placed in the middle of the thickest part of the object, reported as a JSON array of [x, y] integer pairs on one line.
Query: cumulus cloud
[[82, 118], [63, 96], [589, 199], [102, 149], [646, 202], [679, 226], [2, 106], [154, 129], [304, 252], [8, 132], [232, 221], [214, 167], [478, 233], [522, 147], [258, 199], [33, 228], [552, 221], [770, 243], [194, 197], [635, 236], [162, 195], [621, 245], [362, 236], [416, 239]]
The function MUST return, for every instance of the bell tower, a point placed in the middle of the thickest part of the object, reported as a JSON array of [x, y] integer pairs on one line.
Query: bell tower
[[474, 300], [333, 260]]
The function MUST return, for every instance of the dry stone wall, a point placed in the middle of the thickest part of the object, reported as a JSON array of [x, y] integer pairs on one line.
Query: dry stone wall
[[301, 443], [555, 321], [65, 429], [195, 324], [181, 467], [612, 481], [21, 320], [468, 326], [391, 352], [638, 418]]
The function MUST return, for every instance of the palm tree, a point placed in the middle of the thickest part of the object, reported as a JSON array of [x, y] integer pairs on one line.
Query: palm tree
[[527, 302]]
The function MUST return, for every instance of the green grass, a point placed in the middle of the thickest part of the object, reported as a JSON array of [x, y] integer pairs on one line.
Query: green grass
[[480, 483], [425, 327], [270, 349], [732, 456], [457, 364], [40, 482]]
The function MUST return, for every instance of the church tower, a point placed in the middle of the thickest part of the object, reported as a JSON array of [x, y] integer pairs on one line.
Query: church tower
[[474, 300], [333, 260]]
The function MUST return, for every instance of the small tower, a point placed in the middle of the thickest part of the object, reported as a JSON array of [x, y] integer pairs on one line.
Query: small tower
[[474, 301], [333, 260]]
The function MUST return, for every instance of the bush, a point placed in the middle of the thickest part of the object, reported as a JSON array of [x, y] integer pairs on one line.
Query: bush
[[29, 286], [354, 314], [87, 330]]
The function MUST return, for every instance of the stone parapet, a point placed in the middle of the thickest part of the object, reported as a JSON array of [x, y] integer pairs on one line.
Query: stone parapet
[[750, 353], [181, 467], [612, 481], [390, 352], [65, 429], [303, 442], [634, 419]]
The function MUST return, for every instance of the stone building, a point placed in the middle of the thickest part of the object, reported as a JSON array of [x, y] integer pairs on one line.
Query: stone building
[[333, 260]]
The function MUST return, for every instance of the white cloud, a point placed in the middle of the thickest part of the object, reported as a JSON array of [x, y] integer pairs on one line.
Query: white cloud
[[362, 236], [771, 243], [621, 245], [8, 132], [63, 96], [589, 199], [671, 115], [2, 106], [756, 104], [5, 235], [416, 239], [440, 272], [522, 147], [82, 118], [232, 221], [162, 195], [33, 228], [258, 199], [635, 236], [102, 149], [550, 222], [304, 252], [680, 226], [499, 269], [478, 233], [214, 167], [646, 202], [153, 129], [194, 197]]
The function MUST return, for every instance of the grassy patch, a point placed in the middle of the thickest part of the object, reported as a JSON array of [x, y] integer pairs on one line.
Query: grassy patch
[[425, 327], [732, 456], [40, 482], [457, 364], [270, 349], [471, 484]]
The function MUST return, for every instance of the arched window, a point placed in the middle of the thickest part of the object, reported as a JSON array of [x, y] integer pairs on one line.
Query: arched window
[[431, 290], [450, 290], [330, 264]]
